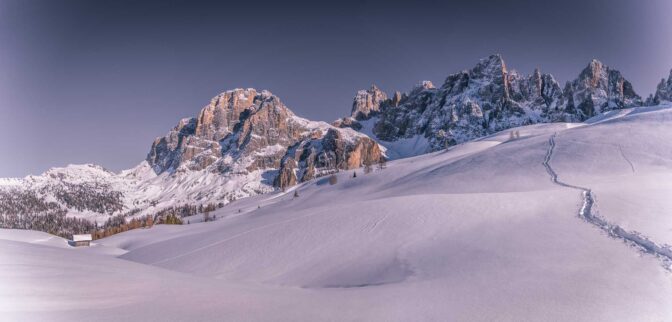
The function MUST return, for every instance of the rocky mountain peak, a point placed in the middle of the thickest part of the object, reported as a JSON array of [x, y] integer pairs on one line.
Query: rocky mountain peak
[[490, 69], [489, 98], [536, 81], [663, 91], [489, 79], [595, 74], [398, 97], [245, 142], [598, 89], [421, 86], [536, 73], [466, 105], [218, 118], [367, 102], [245, 132], [425, 85], [235, 121], [493, 65]]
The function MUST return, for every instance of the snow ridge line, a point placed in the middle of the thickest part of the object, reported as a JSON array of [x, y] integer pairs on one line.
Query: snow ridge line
[[662, 252]]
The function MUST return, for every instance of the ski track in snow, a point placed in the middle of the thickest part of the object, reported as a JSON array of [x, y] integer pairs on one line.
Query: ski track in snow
[[372, 227], [662, 252], [632, 166]]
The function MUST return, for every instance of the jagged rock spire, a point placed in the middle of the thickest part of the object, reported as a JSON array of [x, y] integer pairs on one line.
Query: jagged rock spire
[[663, 91], [367, 102], [489, 97], [599, 88]]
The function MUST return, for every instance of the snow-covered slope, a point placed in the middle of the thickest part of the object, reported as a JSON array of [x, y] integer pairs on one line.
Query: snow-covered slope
[[244, 142], [480, 232]]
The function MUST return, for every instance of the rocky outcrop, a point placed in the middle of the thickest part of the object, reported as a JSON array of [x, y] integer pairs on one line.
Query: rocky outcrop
[[599, 89], [287, 174], [348, 122], [244, 131], [181, 146], [469, 104], [237, 123], [490, 98], [337, 149], [367, 103], [663, 92]]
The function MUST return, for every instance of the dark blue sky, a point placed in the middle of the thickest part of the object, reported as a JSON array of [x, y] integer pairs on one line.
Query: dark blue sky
[[96, 82]]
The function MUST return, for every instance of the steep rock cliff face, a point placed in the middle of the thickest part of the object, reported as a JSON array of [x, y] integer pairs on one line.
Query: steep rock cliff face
[[367, 102], [470, 104], [490, 98], [599, 89], [245, 131], [181, 146], [337, 149], [239, 124], [663, 92]]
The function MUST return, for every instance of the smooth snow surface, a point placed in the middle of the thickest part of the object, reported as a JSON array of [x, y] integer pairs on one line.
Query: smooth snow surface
[[476, 233]]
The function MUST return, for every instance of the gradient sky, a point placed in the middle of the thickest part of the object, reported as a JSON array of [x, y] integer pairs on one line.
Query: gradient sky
[[95, 82]]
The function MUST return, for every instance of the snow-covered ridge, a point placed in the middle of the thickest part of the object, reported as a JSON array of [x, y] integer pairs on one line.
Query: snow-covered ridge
[[486, 99], [247, 142], [475, 232], [11, 181]]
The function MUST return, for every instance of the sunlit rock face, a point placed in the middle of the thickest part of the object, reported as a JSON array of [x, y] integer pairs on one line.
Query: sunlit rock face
[[367, 102], [599, 89], [236, 123], [337, 149], [243, 130]]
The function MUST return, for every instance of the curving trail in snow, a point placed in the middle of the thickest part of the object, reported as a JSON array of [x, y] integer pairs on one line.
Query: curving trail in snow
[[662, 252], [632, 166]]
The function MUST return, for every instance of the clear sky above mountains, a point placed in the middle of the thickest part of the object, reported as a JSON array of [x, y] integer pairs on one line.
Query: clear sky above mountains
[[96, 82]]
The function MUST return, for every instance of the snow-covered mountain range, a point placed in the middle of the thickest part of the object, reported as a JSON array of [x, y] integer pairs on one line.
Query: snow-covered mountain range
[[243, 143], [563, 222], [247, 142], [486, 99]]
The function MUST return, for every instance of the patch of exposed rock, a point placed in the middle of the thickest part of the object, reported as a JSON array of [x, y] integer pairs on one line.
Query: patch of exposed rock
[[599, 89], [367, 102], [337, 149], [243, 131], [663, 92], [490, 98]]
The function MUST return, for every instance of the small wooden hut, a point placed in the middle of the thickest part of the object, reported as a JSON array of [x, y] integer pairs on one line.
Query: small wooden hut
[[81, 240]]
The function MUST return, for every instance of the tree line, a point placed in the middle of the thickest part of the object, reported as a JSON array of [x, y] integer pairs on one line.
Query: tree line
[[25, 209]]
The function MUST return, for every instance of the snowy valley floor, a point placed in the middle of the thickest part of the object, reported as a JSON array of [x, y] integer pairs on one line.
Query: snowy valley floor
[[477, 233]]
